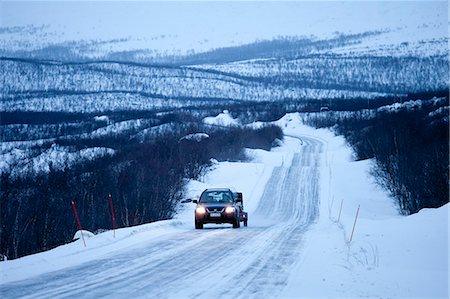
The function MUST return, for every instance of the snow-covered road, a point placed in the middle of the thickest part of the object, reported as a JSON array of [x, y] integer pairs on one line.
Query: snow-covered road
[[217, 262], [296, 245]]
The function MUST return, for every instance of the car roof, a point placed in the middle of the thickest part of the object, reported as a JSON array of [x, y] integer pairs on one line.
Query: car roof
[[218, 189]]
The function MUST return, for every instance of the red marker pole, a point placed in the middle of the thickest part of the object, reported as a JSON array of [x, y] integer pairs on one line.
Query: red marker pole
[[78, 222], [113, 216]]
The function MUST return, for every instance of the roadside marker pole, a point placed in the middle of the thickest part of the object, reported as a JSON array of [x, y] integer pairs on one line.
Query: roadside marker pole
[[78, 222], [330, 209], [354, 224], [113, 216], [340, 210]]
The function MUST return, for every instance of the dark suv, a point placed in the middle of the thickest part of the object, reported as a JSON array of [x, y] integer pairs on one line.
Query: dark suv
[[220, 206]]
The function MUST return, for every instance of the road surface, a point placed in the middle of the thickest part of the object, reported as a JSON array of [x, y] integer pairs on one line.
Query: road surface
[[217, 262]]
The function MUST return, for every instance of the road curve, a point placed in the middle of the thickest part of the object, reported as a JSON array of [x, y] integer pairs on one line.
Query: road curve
[[252, 262]]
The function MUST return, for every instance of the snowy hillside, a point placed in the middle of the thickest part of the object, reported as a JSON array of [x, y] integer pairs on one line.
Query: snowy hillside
[[179, 28], [316, 50], [389, 255]]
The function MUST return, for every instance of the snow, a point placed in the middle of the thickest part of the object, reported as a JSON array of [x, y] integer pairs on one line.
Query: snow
[[409, 105], [223, 119], [82, 233], [11, 158], [398, 257], [101, 118], [75, 253], [201, 26], [195, 137], [153, 131], [57, 157], [389, 255], [417, 104], [256, 125], [119, 127], [440, 111]]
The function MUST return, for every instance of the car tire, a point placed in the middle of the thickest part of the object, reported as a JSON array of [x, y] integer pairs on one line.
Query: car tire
[[245, 222], [198, 225], [236, 223]]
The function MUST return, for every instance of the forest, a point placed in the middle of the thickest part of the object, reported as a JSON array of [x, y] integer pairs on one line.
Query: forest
[[408, 142], [146, 169], [80, 129], [145, 178]]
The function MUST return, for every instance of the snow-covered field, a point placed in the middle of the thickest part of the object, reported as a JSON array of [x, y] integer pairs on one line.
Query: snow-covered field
[[295, 246]]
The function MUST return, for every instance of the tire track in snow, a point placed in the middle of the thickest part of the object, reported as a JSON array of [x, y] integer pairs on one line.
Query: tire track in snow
[[253, 262], [295, 193]]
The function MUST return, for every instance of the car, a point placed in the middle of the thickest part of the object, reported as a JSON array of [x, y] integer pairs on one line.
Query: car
[[220, 205]]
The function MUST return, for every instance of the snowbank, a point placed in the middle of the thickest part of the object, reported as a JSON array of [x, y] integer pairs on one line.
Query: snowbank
[[99, 246], [400, 257], [251, 181], [223, 119], [389, 255], [82, 234]]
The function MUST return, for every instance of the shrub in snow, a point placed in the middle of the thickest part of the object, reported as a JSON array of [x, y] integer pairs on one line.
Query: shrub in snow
[[409, 143]]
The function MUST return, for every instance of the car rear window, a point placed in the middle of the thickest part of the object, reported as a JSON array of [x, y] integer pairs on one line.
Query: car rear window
[[216, 197]]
